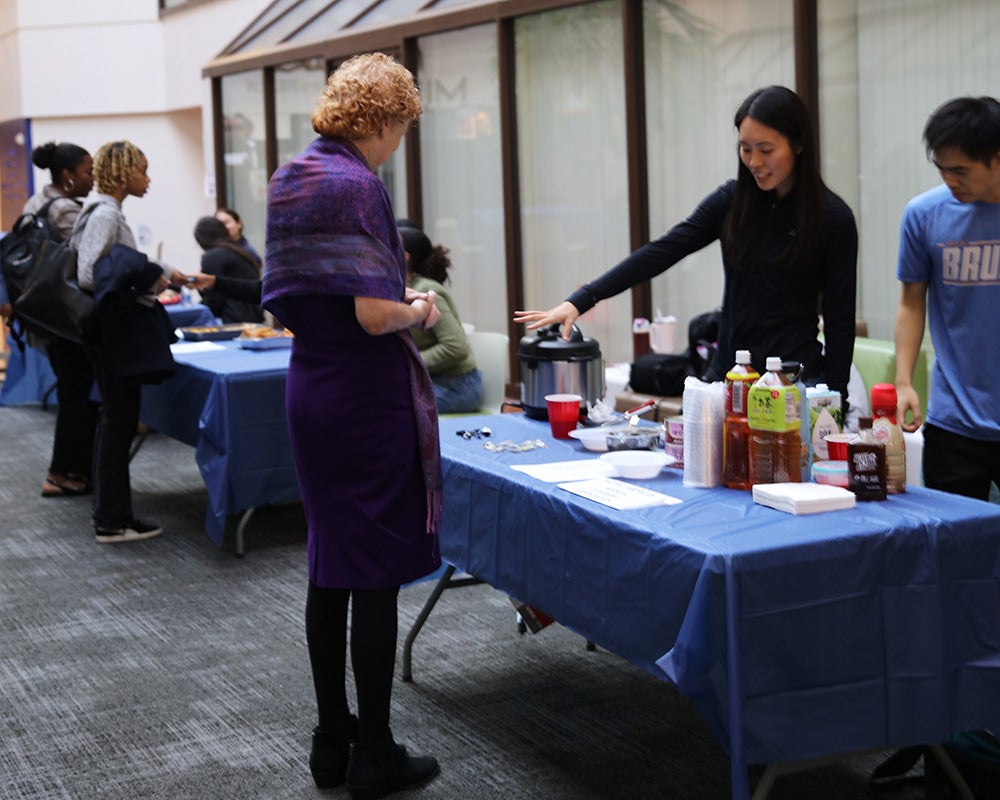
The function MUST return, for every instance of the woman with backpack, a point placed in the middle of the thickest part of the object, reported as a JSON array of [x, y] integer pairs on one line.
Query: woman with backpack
[[72, 171]]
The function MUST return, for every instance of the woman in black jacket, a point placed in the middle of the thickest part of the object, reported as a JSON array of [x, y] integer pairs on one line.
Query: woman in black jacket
[[225, 259]]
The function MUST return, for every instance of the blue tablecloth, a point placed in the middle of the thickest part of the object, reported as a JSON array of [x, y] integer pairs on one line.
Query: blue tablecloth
[[229, 404], [796, 636], [29, 376]]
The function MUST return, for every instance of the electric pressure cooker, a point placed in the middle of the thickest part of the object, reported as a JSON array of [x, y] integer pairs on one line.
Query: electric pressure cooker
[[550, 365]]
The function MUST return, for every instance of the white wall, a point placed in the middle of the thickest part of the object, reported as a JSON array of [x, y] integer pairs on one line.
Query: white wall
[[172, 144], [97, 71]]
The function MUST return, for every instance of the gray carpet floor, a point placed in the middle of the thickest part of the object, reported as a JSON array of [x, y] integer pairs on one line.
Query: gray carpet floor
[[172, 669]]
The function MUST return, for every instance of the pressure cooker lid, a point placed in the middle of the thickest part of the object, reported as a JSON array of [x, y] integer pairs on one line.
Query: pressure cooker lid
[[547, 344]]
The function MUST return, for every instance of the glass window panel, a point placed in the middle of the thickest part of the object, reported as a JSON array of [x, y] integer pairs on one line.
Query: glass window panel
[[884, 68], [572, 152], [243, 151], [393, 175], [276, 28], [330, 21], [389, 9], [451, 4], [461, 166], [702, 58], [296, 88]]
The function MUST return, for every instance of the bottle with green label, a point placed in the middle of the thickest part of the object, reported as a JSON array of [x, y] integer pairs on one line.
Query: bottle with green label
[[775, 417]]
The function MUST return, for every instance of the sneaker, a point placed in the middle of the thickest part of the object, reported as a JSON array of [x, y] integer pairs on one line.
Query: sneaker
[[132, 532]]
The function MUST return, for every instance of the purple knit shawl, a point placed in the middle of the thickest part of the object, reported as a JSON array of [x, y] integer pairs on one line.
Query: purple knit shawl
[[331, 230]]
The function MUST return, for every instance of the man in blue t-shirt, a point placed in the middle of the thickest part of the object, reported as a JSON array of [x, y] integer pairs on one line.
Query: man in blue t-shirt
[[949, 260]]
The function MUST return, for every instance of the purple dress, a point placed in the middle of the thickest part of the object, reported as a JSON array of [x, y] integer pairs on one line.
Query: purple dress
[[361, 413], [354, 438]]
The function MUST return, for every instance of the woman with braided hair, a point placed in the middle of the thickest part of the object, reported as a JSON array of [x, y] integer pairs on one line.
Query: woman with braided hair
[[120, 172]]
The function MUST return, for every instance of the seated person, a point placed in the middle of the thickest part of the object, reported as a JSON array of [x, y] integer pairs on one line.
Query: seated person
[[458, 384], [234, 225], [225, 259]]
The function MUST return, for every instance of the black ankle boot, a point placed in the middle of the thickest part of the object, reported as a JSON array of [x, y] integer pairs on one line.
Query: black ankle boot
[[374, 771], [330, 752]]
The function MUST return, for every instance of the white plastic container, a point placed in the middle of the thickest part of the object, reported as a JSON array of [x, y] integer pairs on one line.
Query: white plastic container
[[663, 334]]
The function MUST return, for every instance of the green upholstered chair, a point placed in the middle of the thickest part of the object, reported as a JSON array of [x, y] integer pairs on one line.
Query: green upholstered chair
[[490, 350], [876, 361]]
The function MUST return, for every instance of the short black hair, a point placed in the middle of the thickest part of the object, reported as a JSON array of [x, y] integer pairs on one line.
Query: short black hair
[[969, 124]]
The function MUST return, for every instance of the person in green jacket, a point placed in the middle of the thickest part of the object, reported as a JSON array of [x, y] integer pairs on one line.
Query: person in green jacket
[[458, 383]]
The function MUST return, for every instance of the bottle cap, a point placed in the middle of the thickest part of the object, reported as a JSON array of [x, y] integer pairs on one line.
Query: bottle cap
[[773, 364], [742, 356], [884, 396]]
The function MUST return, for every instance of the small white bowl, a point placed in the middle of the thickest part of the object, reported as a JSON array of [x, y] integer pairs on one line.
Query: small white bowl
[[637, 464], [595, 439]]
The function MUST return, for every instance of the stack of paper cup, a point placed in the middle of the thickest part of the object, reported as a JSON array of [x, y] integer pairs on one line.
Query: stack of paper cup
[[704, 413]]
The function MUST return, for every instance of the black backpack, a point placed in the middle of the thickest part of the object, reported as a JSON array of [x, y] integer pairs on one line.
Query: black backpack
[[18, 253], [703, 339], [664, 373]]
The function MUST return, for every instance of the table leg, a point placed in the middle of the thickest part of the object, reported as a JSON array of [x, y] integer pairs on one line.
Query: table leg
[[444, 582], [138, 441], [244, 521], [949, 768]]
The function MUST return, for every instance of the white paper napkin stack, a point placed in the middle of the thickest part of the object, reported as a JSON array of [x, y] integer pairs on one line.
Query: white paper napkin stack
[[803, 498]]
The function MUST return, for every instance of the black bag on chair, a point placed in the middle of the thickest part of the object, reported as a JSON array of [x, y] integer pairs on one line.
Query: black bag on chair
[[52, 302], [660, 373]]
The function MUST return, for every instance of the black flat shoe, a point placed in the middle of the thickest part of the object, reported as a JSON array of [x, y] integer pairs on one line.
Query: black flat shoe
[[375, 771], [56, 488], [329, 754]]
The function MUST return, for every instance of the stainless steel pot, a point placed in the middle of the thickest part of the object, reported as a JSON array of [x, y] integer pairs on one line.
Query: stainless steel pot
[[550, 365]]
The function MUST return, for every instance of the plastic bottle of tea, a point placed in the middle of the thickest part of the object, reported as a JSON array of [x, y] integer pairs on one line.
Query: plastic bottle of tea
[[736, 430], [774, 417]]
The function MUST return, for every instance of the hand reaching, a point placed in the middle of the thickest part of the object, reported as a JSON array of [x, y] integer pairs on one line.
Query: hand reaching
[[565, 314]]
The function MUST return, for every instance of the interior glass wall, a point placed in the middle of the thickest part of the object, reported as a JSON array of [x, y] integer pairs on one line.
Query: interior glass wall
[[572, 153], [884, 68], [296, 88], [393, 175], [461, 168], [702, 58], [243, 151]]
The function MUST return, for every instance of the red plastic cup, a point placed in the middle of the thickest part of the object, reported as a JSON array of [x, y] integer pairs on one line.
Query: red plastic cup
[[836, 445], [564, 413]]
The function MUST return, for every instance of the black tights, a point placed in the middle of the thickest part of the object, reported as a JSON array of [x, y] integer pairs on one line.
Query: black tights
[[373, 656]]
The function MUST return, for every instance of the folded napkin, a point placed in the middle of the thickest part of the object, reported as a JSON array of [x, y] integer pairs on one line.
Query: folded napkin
[[802, 498]]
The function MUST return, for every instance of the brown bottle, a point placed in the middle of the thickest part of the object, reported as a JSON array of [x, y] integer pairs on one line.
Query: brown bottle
[[736, 431], [866, 475]]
